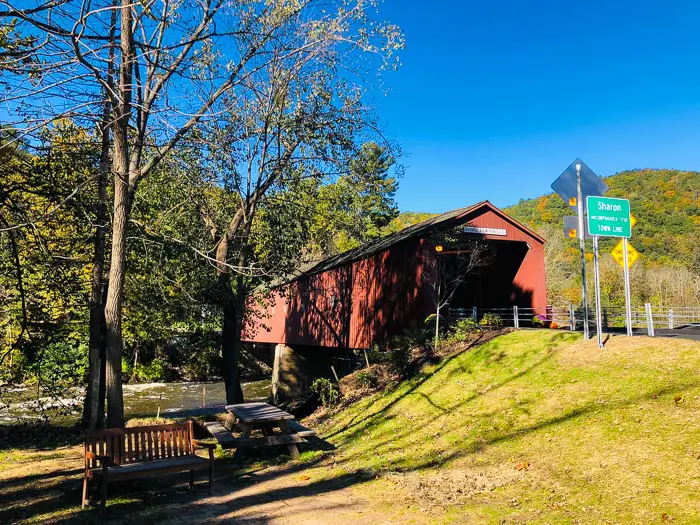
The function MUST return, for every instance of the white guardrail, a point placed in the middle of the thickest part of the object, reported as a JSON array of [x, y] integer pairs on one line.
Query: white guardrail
[[646, 317]]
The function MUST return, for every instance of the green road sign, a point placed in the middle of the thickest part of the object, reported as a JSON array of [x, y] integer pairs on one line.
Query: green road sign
[[608, 217]]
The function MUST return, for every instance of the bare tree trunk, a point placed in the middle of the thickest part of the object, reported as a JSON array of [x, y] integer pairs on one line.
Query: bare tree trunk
[[437, 318], [122, 206], [437, 327], [93, 415], [113, 303], [231, 339], [94, 411]]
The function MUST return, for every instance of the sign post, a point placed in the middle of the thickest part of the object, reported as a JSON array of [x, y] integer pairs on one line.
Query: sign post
[[608, 217], [577, 182], [628, 294], [598, 313], [582, 247]]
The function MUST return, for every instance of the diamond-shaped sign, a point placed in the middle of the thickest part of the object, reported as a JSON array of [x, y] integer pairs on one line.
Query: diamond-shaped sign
[[618, 254], [591, 184]]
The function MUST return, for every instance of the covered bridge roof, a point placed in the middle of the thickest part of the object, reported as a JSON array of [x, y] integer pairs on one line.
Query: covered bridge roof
[[417, 230]]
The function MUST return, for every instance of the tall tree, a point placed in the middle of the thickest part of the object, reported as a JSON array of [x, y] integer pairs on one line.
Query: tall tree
[[358, 206], [296, 120]]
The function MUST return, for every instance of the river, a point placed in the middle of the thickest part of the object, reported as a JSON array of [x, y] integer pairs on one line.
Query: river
[[25, 404]]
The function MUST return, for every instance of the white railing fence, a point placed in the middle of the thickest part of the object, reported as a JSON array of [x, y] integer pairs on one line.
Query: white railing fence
[[645, 317]]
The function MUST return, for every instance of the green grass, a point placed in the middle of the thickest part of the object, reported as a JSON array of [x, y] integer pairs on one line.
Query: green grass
[[611, 435]]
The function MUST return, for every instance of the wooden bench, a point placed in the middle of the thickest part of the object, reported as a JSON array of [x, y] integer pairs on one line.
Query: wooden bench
[[126, 453]]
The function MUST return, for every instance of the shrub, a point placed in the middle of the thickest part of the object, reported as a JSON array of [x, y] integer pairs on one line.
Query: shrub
[[376, 355], [399, 357], [367, 379], [463, 329], [429, 325], [491, 320], [537, 321], [327, 393]]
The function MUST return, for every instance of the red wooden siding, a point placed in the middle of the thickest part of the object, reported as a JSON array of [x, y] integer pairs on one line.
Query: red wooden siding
[[374, 298]]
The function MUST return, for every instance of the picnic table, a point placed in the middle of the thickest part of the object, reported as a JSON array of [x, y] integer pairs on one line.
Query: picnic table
[[246, 417]]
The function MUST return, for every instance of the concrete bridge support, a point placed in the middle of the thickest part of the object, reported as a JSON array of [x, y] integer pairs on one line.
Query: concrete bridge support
[[294, 369]]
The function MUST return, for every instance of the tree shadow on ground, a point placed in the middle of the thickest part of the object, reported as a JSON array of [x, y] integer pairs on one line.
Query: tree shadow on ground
[[55, 496], [355, 427], [416, 382]]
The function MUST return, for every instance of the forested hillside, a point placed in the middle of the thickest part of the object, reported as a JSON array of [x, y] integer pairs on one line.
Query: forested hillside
[[665, 202]]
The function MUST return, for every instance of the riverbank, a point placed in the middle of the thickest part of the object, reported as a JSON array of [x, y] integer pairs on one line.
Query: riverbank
[[26, 405]]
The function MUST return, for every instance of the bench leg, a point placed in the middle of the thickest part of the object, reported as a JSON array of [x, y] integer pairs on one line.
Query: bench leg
[[191, 479], [292, 447], [245, 433], [85, 492], [103, 490]]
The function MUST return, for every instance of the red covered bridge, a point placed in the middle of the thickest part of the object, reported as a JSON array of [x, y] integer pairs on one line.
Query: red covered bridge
[[373, 292]]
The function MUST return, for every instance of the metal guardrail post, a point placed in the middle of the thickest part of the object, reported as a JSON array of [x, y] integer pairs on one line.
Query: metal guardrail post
[[650, 320], [516, 321], [572, 317], [670, 318], [474, 314]]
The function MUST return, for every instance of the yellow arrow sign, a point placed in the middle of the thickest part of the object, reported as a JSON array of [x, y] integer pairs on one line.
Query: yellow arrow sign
[[618, 254], [633, 220]]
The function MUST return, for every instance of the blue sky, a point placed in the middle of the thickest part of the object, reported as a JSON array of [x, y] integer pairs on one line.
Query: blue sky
[[496, 98]]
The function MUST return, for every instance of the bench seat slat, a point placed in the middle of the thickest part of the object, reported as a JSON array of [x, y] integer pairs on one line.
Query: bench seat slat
[[267, 441], [157, 466]]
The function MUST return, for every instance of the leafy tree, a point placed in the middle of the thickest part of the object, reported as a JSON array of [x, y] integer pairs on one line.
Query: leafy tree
[[360, 204]]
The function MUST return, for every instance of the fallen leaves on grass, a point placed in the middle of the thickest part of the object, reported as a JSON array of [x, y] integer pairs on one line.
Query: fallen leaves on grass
[[523, 465]]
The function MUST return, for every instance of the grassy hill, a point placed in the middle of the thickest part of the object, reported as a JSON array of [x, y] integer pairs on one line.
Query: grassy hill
[[534, 427]]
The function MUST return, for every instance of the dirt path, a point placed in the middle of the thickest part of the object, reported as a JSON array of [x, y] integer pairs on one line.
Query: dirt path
[[44, 486]]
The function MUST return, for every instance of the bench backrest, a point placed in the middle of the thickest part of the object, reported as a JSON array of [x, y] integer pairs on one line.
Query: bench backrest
[[138, 444]]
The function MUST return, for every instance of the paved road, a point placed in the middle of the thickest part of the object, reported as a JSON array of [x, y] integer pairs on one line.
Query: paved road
[[684, 332]]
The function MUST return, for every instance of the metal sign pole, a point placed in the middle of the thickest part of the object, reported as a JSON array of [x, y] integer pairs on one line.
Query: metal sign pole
[[582, 244], [628, 300], [598, 314]]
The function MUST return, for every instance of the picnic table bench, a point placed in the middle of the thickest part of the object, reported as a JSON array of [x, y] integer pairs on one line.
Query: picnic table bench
[[126, 453], [246, 417]]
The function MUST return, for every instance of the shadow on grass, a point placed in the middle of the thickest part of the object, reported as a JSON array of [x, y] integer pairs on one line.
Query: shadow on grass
[[416, 382], [480, 354], [54, 496]]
